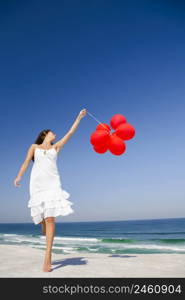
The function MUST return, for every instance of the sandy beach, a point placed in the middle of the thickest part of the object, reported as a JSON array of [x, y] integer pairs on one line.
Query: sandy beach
[[24, 261]]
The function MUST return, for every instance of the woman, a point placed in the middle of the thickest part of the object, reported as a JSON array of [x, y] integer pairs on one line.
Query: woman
[[47, 198]]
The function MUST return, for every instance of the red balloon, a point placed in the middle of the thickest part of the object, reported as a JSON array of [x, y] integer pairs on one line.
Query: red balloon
[[116, 120], [99, 137], [101, 149], [116, 145], [125, 131], [103, 126]]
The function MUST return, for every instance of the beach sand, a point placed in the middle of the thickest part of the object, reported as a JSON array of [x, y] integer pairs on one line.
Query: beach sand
[[24, 261]]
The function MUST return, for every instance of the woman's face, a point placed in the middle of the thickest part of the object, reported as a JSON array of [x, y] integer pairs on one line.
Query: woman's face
[[51, 135]]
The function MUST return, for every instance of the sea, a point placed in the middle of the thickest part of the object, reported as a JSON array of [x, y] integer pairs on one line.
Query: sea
[[110, 237]]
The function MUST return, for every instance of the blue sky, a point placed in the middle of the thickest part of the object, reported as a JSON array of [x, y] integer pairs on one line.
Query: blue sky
[[127, 57]]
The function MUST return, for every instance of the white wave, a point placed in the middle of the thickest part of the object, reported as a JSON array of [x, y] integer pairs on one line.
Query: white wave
[[42, 239], [88, 242], [56, 247], [92, 249], [37, 246], [12, 241], [151, 247], [73, 239], [68, 248], [67, 251], [172, 248], [21, 239], [29, 240], [10, 234]]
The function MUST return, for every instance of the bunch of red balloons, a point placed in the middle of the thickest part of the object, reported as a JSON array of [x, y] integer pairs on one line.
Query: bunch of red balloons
[[102, 139]]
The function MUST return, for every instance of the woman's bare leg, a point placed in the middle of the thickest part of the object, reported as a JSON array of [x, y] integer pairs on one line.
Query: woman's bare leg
[[43, 226], [50, 232]]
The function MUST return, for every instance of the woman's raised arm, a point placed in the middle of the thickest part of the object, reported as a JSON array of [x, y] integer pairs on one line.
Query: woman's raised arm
[[73, 128]]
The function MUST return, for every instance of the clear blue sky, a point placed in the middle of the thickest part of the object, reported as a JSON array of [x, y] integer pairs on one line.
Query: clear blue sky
[[127, 57]]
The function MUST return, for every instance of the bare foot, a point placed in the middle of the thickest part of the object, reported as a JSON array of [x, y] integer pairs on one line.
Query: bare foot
[[47, 264], [47, 268]]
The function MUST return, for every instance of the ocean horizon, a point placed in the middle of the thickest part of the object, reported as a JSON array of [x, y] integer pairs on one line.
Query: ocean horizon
[[147, 236]]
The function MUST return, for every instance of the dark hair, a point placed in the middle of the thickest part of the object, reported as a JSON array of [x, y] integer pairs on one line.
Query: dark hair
[[41, 137]]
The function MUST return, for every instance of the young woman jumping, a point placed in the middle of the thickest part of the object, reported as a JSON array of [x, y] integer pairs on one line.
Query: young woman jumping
[[47, 197]]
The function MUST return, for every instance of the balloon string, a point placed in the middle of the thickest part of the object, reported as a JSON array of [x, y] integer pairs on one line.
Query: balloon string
[[96, 119]]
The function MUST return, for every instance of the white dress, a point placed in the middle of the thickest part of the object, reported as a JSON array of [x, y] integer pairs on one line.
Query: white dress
[[47, 198]]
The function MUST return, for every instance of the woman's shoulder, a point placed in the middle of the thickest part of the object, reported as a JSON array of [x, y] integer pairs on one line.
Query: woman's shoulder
[[34, 145]]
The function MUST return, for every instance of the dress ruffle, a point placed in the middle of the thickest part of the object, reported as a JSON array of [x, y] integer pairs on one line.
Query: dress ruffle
[[49, 203]]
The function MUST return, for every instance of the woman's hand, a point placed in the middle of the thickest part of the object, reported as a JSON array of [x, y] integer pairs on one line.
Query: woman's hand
[[17, 179], [82, 113]]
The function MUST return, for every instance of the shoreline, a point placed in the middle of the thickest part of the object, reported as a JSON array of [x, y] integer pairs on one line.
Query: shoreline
[[24, 261]]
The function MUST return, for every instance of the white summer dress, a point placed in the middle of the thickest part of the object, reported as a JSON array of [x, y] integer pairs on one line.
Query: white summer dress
[[47, 198]]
